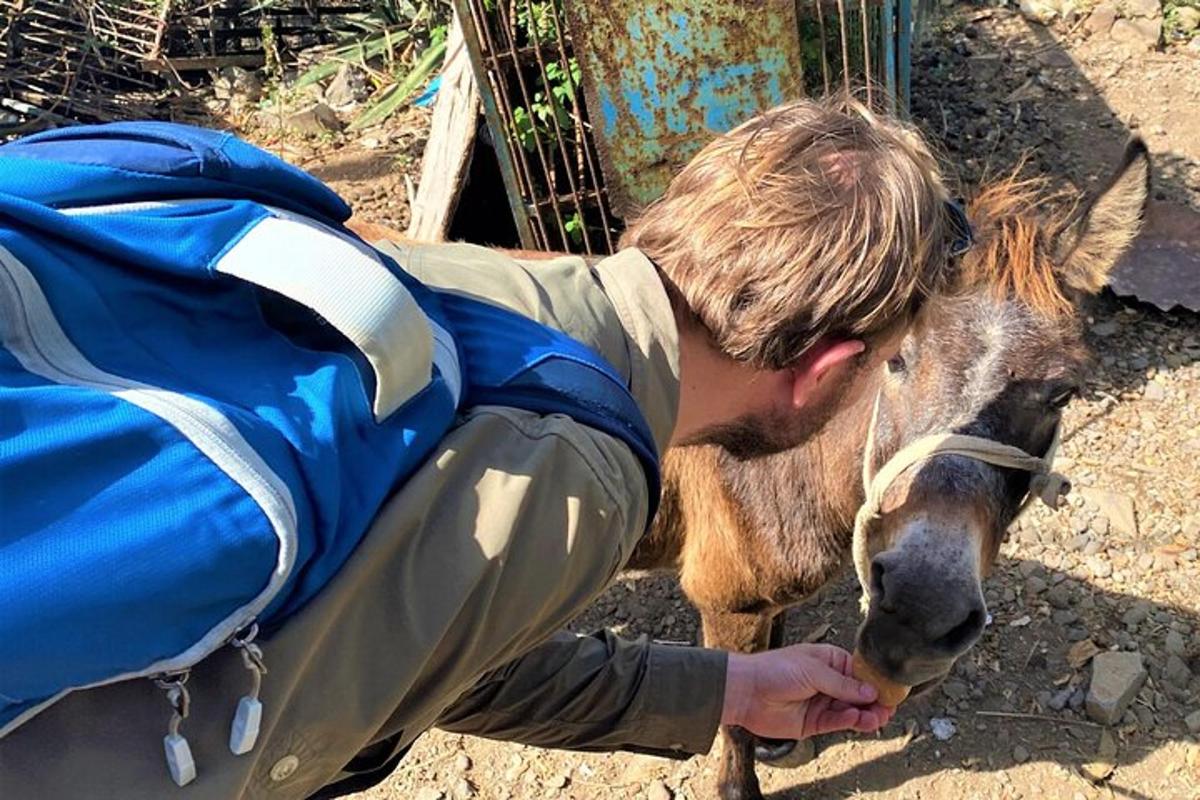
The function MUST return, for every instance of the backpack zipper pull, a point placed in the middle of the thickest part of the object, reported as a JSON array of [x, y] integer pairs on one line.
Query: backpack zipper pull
[[179, 753], [248, 717]]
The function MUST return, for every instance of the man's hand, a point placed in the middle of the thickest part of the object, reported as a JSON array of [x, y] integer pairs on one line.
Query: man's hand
[[799, 691]]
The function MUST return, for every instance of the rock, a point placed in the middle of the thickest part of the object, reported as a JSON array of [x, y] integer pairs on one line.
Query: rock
[[1043, 11], [1092, 547], [1177, 671], [657, 790], [1192, 721], [1142, 8], [1174, 643], [1059, 596], [1058, 701], [462, 790], [429, 793], [347, 87], [462, 762], [1106, 327], [1155, 391], [1141, 33], [943, 728], [955, 690], [1035, 585], [1187, 19], [1116, 678], [1136, 615], [1020, 754], [1099, 22], [1119, 508], [1194, 46], [1099, 567], [314, 120]]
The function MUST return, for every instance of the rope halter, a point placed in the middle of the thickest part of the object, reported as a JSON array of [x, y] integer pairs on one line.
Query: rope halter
[[1047, 485]]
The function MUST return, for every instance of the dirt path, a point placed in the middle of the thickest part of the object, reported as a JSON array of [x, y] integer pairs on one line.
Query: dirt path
[[989, 87]]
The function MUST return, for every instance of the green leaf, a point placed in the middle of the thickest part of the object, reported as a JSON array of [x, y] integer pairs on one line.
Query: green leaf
[[395, 96]]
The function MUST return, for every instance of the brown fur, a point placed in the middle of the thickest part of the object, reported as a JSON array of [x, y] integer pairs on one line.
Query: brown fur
[[751, 538]]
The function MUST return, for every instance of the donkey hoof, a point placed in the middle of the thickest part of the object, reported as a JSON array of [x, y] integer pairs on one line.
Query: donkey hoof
[[733, 790], [768, 750], [784, 752]]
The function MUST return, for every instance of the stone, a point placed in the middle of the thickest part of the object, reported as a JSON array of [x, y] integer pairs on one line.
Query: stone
[[462, 762], [1119, 508], [1058, 701], [429, 793], [943, 728], [1192, 721], [1140, 33], [462, 789], [1043, 11], [1175, 644], [1020, 754], [347, 87], [1155, 392], [1092, 547], [1101, 20], [1099, 567], [1100, 524], [1187, 19], [955, 690], [1035, 585], [558, 781], [1142, 8], [657, 790], [314, 120], [1059, 596], [1177, 671], [1136, 615], [1116, 678], [1106, 327]]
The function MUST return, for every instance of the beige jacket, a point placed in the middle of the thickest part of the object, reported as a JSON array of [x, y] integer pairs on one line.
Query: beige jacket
[[449, 612]]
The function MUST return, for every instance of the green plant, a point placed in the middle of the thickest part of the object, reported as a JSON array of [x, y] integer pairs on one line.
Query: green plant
[[574, 228], [548, 107], [1173, 25], [396, 94], [398, 43]]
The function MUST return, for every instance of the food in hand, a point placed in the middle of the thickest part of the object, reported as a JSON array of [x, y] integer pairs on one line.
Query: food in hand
[[891, 694]]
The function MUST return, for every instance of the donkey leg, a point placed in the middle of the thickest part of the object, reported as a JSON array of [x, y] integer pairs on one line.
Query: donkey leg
[[743, 633], [774, 751]]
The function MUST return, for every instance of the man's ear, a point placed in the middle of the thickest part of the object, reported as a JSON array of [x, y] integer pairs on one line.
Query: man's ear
[[1089, 247], [820, 361]]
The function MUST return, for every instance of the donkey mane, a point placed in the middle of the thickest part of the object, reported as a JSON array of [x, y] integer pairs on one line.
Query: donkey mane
[[1013, 254]]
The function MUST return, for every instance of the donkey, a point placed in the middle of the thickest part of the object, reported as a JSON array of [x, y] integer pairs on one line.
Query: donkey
[[998, 357]]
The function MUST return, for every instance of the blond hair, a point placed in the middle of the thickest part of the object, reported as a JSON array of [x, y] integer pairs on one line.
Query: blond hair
[[816, 218]]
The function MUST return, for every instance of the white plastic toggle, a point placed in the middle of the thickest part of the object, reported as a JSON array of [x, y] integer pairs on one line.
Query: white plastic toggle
[[180, 763], [179, 759], [248, 719]]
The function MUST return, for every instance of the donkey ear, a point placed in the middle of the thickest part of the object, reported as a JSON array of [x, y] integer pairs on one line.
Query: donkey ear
[[1100, 232]]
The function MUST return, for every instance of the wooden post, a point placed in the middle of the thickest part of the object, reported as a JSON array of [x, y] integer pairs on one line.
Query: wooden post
[[451, 141]]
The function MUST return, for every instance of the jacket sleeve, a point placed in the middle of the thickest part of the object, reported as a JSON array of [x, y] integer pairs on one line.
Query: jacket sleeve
[[599, 692]]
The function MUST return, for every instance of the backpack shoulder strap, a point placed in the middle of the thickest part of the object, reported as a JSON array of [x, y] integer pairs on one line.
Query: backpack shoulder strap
[[511, 360]]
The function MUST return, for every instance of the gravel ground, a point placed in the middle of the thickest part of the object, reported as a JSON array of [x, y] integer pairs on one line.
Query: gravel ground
[[1118, 568]]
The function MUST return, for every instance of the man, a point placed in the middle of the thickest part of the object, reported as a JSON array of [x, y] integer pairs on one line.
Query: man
[[748, 303]]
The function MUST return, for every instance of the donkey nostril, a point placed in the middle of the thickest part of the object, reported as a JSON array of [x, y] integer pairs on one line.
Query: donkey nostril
[[964, 633], [879, 591]]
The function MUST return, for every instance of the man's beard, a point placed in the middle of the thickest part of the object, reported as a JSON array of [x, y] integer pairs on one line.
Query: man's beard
[[769, 432]]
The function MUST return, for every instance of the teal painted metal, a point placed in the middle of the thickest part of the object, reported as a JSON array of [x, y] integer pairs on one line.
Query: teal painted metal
[[662, 78]]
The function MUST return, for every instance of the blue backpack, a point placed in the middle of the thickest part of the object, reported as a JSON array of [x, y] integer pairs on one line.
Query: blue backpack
[[208, 388]]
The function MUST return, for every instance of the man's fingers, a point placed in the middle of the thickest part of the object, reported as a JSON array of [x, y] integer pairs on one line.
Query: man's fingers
[[864, 720], [827, 680]]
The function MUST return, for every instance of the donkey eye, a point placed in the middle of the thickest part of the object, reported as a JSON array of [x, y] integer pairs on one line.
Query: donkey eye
[[896, 364]]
